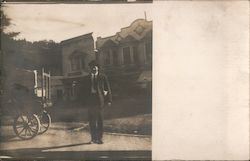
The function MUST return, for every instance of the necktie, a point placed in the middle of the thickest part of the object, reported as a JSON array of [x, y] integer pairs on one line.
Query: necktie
[[95, 82]]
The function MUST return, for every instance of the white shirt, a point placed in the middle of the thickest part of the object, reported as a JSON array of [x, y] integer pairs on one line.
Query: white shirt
[[93, 76]]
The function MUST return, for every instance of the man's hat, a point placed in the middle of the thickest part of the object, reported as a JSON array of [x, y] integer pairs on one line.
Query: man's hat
[[93, 63]]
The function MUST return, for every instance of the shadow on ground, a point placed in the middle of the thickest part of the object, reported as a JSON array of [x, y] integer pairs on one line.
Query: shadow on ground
[[39, 153]]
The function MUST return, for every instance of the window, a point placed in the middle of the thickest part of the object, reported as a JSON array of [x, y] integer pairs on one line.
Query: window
[[107, 57], [149, 52], [136, 56], [75, 63], [115, 57], [72, 91], [126, 55], [83, 63], [59, 94]]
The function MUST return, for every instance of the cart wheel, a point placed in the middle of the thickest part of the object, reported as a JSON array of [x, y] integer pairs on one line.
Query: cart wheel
[[26, 126], [45, 121]]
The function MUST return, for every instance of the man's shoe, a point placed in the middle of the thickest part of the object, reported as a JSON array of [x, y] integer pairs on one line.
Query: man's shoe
[[93, 142], [99, 142]]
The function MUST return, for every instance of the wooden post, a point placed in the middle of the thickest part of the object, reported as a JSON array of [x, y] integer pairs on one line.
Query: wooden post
[[42, 85], [46, 86], [49, 86]]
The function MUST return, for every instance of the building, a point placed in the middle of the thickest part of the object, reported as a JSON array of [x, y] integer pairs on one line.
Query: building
[[129, 48], [127, 55], [77, 52]]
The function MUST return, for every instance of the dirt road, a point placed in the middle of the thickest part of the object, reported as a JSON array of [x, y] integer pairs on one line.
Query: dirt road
[[61, 142]]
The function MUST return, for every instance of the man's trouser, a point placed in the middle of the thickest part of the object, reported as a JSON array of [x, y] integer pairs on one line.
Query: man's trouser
[[95, 117]]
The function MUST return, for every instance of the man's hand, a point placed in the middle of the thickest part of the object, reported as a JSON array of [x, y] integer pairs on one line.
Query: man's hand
[[109, 104]]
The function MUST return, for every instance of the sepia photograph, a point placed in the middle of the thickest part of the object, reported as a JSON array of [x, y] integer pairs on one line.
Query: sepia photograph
[[91, 80], [76, 81]]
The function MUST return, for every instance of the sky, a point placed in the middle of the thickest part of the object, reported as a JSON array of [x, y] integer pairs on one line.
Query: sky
[[63, 21]]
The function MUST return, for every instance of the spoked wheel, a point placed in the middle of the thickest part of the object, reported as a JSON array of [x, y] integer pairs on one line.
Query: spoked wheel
[[45, 121], [26, 126]]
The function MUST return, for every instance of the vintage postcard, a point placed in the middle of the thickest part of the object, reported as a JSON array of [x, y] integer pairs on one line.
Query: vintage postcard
[[125, 80]]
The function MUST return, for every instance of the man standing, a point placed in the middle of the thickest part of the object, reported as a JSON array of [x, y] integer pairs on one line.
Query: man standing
[[99, 93]]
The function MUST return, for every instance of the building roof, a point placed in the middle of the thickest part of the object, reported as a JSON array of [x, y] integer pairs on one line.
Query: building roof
[[137, 30], [81, 37]]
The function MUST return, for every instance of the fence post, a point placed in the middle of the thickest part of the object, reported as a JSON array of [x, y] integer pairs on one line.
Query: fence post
[[42, 85], [49, 90]]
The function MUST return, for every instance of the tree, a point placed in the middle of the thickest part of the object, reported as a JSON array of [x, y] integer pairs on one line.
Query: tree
[[4, 20], [28, 55]]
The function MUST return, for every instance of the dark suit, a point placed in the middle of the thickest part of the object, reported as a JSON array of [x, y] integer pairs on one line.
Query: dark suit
[[96, 102]]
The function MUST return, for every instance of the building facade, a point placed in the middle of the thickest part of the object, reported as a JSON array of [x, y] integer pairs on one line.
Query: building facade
[[77, 52], [127, 55], [131, 47]]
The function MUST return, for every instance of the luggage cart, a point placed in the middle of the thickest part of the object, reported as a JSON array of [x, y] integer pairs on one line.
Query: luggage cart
[[28, 102]]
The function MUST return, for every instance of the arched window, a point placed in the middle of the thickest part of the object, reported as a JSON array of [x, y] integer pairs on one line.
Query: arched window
[[126, 55], [77, 61]]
